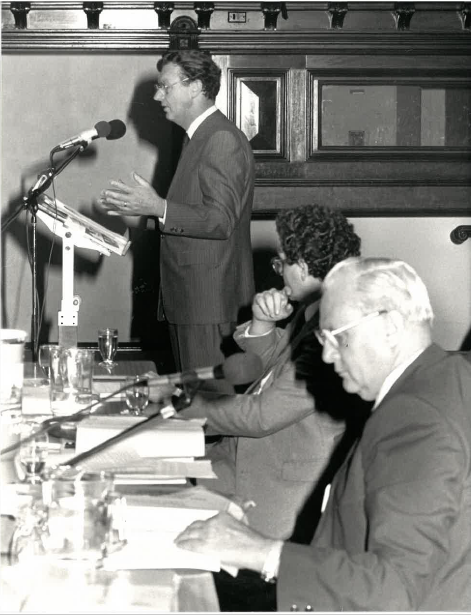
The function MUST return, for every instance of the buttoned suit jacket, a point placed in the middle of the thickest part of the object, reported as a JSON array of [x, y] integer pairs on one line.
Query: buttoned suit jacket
[[396, 534], [284, 441], [206, 263]]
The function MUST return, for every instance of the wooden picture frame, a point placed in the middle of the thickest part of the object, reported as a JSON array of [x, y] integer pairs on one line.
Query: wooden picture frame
[[257, 105]]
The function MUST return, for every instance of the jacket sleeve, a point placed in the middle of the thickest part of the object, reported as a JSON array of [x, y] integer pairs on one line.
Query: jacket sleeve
[[291, 396], [414, 472], [265, 346], [285, 402], [223, 172]]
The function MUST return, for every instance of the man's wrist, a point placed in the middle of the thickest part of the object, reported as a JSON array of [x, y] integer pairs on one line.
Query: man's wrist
[[271, 566], [258, 328]]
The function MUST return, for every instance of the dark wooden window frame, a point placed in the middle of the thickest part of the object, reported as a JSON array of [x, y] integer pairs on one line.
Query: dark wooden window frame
[[358, 182]]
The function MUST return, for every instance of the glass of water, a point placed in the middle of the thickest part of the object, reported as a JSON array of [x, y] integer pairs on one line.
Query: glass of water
[[33, 453], [108, 346], [44, 359], [137, 395]]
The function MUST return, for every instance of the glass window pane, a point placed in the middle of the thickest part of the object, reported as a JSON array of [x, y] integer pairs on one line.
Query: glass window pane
[[404, 115]]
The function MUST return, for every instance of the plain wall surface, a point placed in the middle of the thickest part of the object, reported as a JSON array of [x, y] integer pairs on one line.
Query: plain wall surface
[[49, 97]]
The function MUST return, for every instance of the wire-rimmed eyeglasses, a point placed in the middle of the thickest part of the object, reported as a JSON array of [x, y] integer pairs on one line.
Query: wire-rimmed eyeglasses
[[160, 87], [278, 264], [327, 335]]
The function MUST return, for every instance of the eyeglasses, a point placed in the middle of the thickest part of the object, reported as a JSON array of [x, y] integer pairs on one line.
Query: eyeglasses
[[328, 335], [278, 265], [159, 87]]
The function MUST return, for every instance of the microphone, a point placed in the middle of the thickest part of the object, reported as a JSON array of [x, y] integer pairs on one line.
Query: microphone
[[239, 368], [117, 130], [101, 129]]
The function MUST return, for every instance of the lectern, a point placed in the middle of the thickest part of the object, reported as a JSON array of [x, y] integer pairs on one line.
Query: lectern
[[76, 230]]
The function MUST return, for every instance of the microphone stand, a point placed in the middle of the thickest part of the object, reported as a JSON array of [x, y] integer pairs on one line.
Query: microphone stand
[[179, 402], [30, 203]]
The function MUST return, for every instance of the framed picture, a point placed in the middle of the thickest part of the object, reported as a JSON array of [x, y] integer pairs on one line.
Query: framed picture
[[257, 105]]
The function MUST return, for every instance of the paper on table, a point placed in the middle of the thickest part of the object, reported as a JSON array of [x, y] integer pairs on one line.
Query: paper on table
[[149, 469], [167, 438], [156, 549], [36, 401], [153, 523]]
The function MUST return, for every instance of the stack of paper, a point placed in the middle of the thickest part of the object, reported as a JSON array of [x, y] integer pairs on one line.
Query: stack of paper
[[162, 451]]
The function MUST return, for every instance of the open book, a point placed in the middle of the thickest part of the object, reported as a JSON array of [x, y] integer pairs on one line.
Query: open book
[[153, 522], [60, 218]]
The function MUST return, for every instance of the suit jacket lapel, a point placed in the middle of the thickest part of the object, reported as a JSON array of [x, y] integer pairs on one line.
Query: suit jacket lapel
[[432, 354]]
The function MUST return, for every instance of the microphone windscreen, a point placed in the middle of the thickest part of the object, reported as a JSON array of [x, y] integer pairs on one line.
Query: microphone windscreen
[[242, 368], [117, 130], [103, 129]]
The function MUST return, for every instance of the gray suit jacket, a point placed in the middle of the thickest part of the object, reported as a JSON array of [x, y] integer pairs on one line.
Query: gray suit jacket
[[396, 534], [206, 256], [284, 442]]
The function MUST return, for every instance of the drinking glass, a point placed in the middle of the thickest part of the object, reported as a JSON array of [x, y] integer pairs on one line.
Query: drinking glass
[[108, 346], [137, 395], [33, 453], [85, 515], [44, 359]]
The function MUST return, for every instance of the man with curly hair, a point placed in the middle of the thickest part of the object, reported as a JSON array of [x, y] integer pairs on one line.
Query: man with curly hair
[[282, 430], [206, 264]]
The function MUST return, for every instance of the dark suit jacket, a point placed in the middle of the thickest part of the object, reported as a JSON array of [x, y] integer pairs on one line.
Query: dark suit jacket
[[206, 255], [396, 534], [286, 434]]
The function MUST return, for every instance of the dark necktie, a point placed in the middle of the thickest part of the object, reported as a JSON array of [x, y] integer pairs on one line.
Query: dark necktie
[[186, 140]]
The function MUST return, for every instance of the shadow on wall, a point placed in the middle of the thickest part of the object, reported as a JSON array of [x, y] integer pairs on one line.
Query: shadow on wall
[[466, 345], [18, 225], [149, 121]]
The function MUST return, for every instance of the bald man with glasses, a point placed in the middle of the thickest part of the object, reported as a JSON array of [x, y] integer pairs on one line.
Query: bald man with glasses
[[396, 532]]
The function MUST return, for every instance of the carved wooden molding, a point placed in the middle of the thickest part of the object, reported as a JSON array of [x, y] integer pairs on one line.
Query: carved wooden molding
[[246, 42], [465, 15], [403, 13], [270, 11], [164, 11], [460, 234], [93, 10], [20, 12], [337, 12], [204, 10], [183, 33]]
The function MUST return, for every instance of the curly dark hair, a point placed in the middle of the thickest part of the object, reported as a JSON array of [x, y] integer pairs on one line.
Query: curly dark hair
[[195, 64], [320, 236]]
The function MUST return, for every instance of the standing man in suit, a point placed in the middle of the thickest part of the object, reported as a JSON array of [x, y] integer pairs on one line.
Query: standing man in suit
[[396, 532], [206, 262]]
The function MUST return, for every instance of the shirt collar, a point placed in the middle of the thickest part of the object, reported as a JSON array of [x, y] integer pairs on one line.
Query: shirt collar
[[393, 376], [199, 120]]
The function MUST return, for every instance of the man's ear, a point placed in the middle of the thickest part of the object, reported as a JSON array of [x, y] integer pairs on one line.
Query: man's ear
[[304, 268], [394, 326], [196, 87]]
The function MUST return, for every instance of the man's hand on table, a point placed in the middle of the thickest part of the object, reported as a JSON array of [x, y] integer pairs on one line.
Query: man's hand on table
[[230, 540]]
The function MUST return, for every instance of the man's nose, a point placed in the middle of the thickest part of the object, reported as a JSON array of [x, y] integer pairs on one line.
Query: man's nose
[[158, 94], [329, 352]]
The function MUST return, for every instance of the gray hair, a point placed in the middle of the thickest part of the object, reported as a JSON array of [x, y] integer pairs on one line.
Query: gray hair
[[384, 284]]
